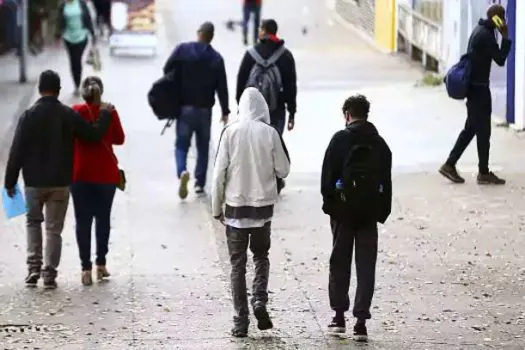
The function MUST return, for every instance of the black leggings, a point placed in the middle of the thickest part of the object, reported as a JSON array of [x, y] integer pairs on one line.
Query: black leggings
[[76, 52]]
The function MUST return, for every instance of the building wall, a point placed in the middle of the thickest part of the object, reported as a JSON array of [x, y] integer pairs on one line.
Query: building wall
[[519, 91], [360, 13]]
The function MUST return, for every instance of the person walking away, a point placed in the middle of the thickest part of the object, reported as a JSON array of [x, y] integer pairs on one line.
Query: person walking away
[[483, 49], [250, 154], [74, 27], [95, 179], [251, 8], [42, 149], [356, 187], [202, 73], [103, 10], [270, 67]]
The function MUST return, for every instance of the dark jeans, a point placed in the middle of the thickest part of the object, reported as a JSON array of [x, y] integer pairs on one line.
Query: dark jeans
[[248, 11], [258, 239], [365, 239], [278, 120], [75, 53], [92, 201], [479, 113], [193, 120]]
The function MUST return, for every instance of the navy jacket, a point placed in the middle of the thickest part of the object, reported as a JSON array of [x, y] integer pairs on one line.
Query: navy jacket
[[484, 49], [202, 73]]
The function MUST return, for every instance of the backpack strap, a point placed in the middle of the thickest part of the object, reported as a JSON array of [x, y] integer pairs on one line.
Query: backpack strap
[[270, 61]]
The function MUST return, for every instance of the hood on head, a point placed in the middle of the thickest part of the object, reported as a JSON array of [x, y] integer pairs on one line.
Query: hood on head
[[253, 106], [487, 23]]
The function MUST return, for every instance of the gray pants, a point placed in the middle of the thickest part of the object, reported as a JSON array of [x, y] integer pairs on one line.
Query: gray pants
[[55, 202], [258, 239]]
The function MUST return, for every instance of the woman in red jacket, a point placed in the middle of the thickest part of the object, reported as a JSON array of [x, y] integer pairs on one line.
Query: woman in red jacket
[[95, 179]]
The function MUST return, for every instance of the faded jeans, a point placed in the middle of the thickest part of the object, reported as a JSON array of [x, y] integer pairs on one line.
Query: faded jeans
[[49, 206], [258, 240]]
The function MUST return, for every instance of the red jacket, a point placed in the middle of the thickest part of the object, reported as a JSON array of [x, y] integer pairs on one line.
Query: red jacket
[[96, 162]]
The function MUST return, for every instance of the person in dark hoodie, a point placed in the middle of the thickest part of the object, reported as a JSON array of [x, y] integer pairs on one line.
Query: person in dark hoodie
[[202, 74], [282, 73], [356, 185], [483, 49], [42, 149]]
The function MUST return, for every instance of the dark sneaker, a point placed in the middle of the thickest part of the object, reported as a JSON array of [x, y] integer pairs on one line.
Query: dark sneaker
[[360, 333], [183, 185], [280, 185], [32, 279], [199, 189], [240, 328], [451, 173], [264, 321], [338, 325], [50, 283], [490, 179]]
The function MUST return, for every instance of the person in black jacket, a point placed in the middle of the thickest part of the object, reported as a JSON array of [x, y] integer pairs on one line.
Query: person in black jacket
[[74, 27], [268, 44], [347, 230], [42, 149], [201, 71], [483, 49]]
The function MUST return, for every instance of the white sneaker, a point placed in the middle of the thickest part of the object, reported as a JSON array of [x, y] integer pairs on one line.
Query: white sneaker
[[183, 185]]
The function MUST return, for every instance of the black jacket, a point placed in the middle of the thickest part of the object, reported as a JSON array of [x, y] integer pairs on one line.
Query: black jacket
[[202, 73], [334, 158], [286, 65], [483, 48], [43, 144], [86, 19]]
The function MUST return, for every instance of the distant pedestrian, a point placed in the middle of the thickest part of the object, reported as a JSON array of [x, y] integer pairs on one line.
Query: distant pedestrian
[[42, 149], [202, 74], [250, 154], [356, 187], [251, 9], [270, 67], [95, 179], [74, 27], [483, 49], [103, 13]]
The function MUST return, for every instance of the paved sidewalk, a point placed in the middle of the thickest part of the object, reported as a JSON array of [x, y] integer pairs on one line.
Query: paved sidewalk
[[450, 270]]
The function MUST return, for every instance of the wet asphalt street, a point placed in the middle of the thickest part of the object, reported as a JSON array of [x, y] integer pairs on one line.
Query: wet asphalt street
[[450, 270]]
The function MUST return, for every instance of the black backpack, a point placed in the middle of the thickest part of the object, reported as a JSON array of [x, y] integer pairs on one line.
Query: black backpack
[[361, 177], [163, 97]]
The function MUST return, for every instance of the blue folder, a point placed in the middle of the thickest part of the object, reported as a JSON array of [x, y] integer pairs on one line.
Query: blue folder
[[15, 206]]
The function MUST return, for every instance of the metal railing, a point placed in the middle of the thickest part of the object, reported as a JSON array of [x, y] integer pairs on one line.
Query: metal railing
[[420, 32]]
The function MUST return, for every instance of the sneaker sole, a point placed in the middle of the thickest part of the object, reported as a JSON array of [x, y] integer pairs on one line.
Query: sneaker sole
[[31, 285], [361, 338], [183, 187], [488, 183], [454, 180], [263, 319], [337, 330]]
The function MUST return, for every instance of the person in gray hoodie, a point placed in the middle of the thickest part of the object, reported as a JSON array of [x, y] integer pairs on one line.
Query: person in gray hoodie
[[251, 156]]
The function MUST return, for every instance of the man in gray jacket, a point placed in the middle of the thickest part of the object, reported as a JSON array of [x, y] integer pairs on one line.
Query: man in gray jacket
[[251, 156]]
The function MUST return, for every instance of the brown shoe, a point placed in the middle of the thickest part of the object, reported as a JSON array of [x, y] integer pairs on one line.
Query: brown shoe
[[87, 278], [450, 172], [490, 179], [102, 273]]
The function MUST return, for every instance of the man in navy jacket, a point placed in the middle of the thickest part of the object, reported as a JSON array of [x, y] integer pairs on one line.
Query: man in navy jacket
[[202, 74]]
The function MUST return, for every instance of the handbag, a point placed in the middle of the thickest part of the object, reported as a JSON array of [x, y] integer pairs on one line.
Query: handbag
[[121, 185]]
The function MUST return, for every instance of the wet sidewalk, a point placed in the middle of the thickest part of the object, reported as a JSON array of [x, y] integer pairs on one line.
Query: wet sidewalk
[[450, 269]]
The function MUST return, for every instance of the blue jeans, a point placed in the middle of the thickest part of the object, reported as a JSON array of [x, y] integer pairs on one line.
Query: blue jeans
[[92, 201], [248, 10], [193, 120]]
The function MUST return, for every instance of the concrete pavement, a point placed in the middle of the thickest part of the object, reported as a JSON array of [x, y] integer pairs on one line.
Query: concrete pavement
[[450, 271]]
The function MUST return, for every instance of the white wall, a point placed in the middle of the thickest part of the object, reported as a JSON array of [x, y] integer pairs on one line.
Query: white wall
[[452, 33]]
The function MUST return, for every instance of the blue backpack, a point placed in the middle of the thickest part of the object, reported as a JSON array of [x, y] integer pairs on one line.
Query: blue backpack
[[457, 79]]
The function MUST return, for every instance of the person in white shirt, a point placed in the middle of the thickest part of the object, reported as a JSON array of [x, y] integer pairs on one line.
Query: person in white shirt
[[251, 156]]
